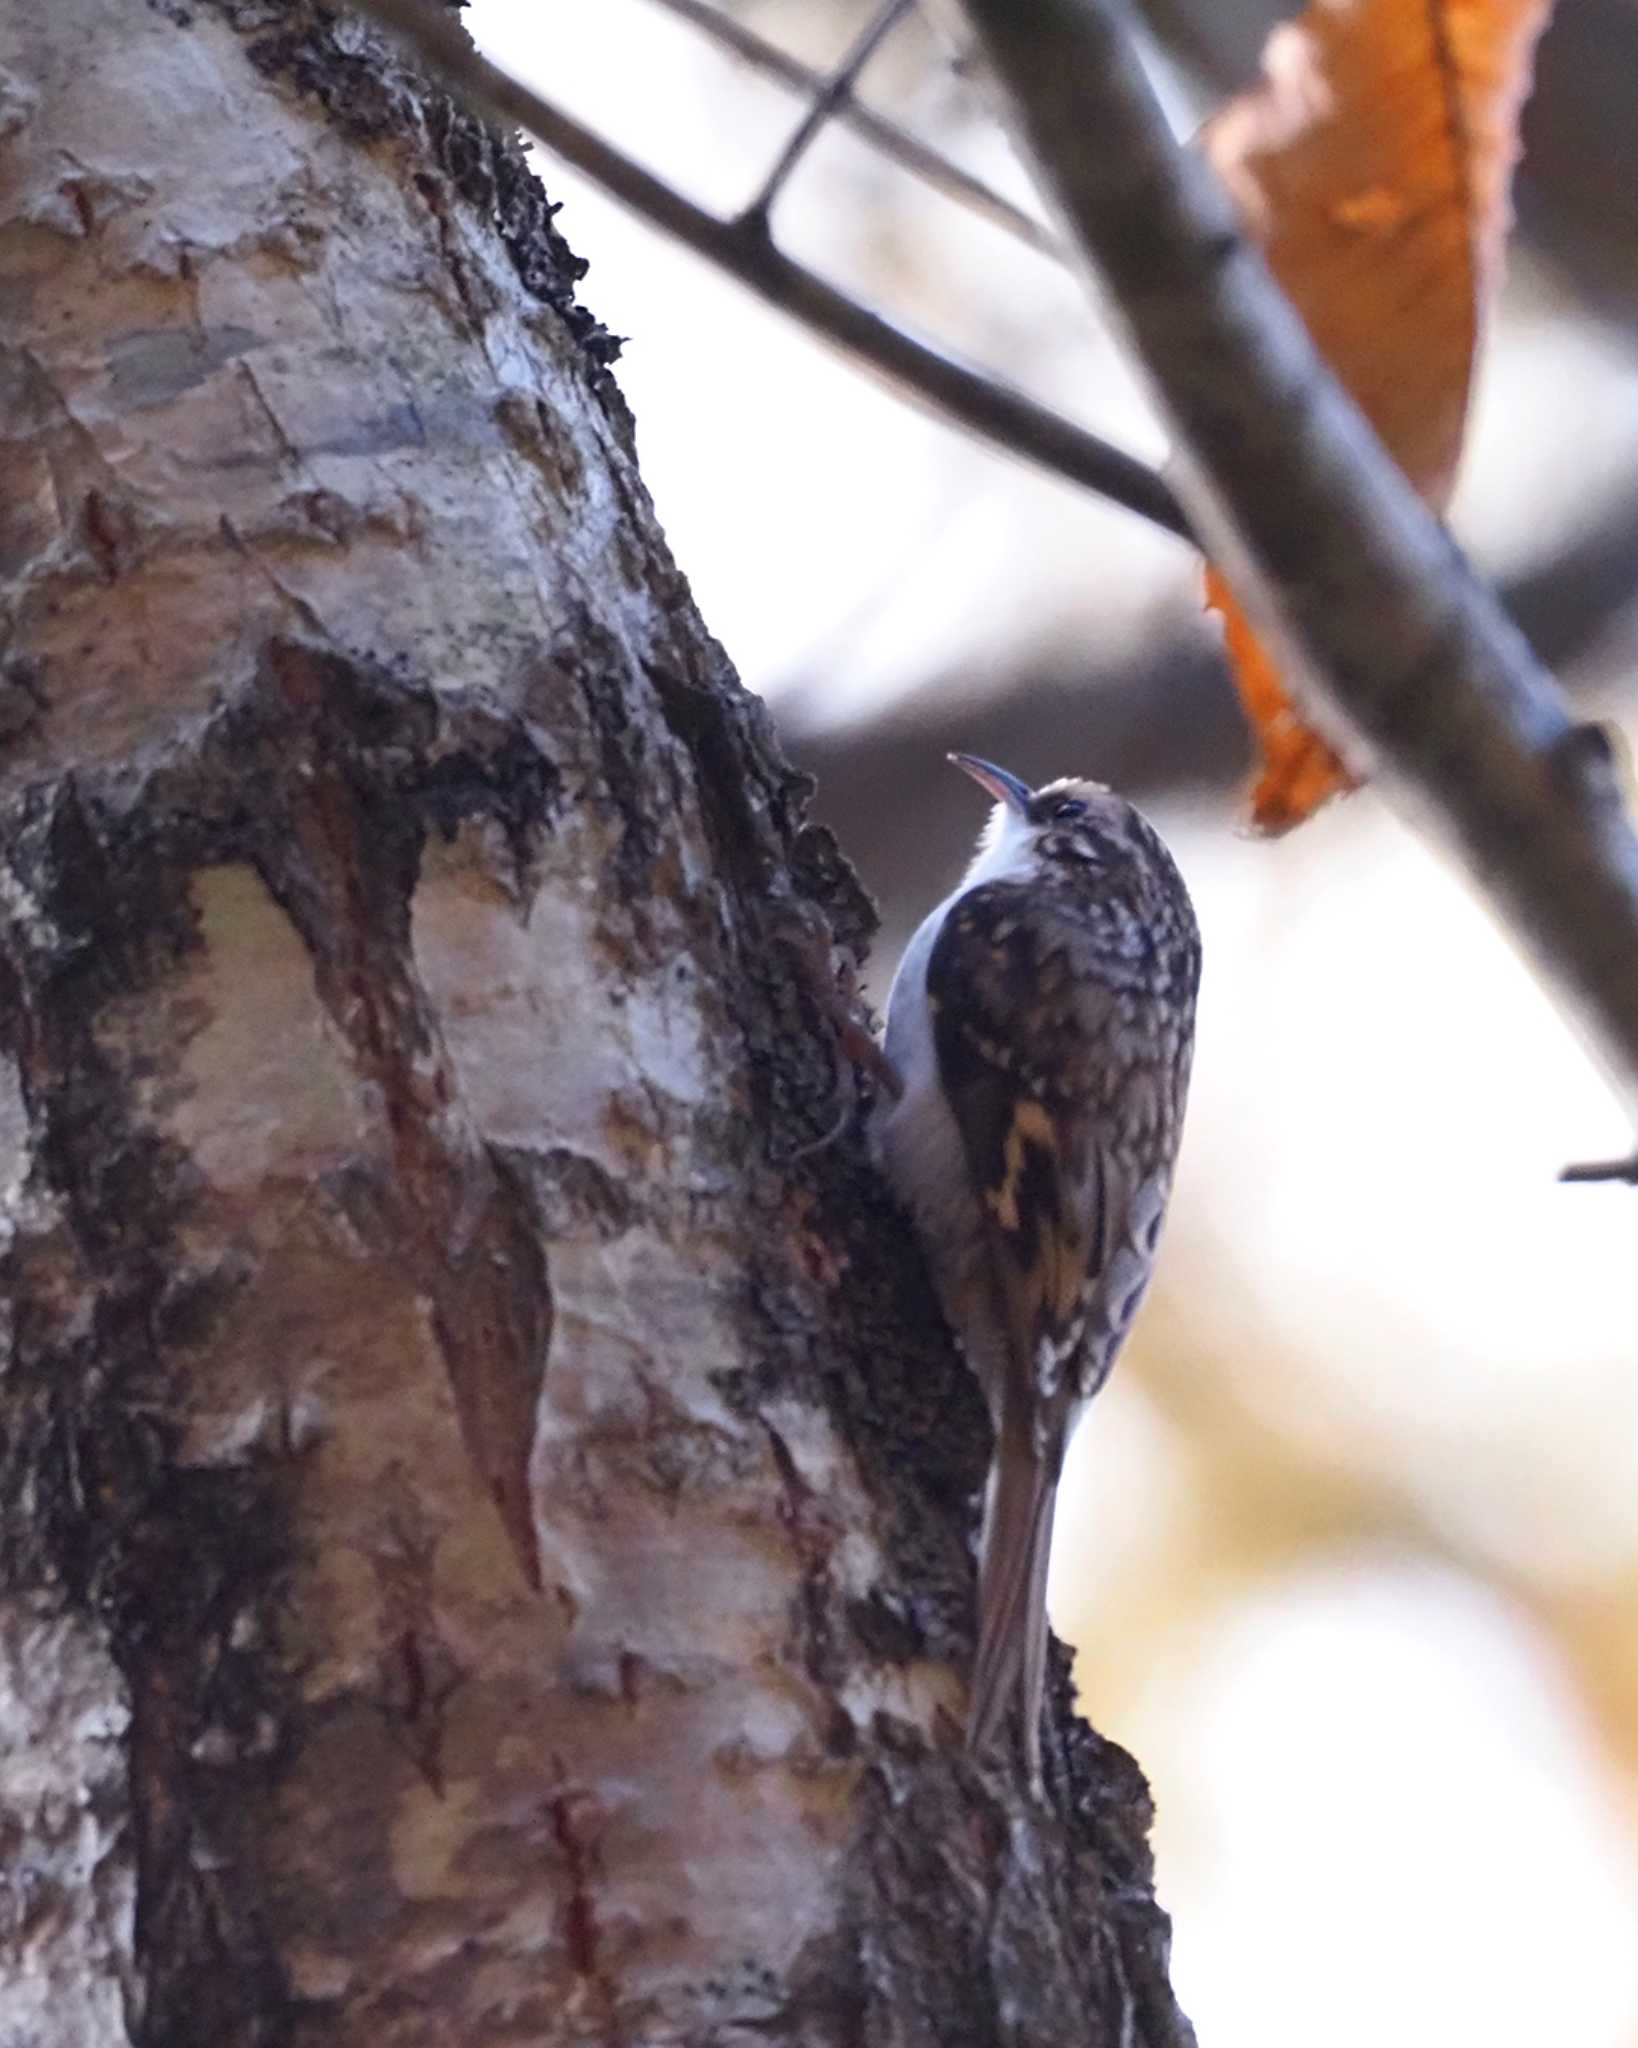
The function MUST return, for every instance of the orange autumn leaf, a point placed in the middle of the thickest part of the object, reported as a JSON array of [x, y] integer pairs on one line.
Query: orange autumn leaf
[[1299, 771], [1372, 161]]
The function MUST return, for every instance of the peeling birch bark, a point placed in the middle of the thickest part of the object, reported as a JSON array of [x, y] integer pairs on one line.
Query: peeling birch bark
[[483, 1516]]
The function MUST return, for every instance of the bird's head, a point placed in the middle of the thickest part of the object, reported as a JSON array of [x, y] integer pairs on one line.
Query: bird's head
[[1063, 824]]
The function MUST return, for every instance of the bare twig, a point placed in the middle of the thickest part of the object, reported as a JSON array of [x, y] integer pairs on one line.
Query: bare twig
[[1604, 1170], [896, 143], [1005, 417], [1412, 656], [834, 92]]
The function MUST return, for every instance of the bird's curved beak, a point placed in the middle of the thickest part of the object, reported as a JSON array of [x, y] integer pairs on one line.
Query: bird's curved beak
[[1005, 788]]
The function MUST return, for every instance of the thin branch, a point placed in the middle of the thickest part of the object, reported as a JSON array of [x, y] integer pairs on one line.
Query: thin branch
[[833, 93], [1603, 1170], [897, 144], [999, 414], [1410, 654]]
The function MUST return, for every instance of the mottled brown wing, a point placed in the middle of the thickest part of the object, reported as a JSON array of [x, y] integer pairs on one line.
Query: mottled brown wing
[[1019, 1027]]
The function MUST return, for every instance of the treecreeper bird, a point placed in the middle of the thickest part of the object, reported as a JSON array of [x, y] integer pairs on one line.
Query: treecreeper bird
[[1042, 1023]]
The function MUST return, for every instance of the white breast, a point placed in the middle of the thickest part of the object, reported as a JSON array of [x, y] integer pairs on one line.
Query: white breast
[[916, 1142], [1004, 855]]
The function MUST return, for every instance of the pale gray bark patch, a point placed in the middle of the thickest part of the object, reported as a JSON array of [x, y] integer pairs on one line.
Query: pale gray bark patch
[[67, 1887], [312, 50], [155, 366]]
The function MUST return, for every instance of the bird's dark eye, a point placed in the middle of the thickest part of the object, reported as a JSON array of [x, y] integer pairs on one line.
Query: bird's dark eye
[[1070, 807]]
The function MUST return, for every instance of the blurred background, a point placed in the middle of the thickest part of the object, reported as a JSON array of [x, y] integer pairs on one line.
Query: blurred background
[[1351, 1549]]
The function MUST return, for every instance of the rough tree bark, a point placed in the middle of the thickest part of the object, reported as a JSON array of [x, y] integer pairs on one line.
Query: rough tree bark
[[483, 1515]]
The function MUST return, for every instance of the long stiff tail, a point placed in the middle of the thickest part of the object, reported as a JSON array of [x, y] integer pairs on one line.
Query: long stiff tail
[[1010, 1664]]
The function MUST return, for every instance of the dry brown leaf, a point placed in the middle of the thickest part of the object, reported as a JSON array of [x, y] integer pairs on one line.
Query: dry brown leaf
[[1373, 161], [1299, 771]]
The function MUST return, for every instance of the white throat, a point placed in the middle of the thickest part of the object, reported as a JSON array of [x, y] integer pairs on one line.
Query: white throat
[[1006, 850]]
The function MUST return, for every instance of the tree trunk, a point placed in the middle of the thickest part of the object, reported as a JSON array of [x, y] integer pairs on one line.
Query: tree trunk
[[484, 1515]]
